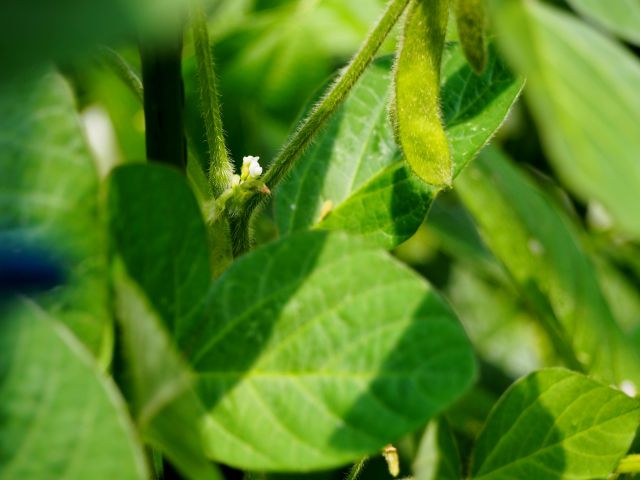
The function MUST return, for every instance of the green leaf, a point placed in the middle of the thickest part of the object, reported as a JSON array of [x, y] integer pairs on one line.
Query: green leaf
[[165, 406], [582, 89], [416, 107], [438, 457], [555, 424], [48, 199], [621, 17], [540, 248], [61, 418], [158, 230], [355, 171], [471, 19], [319, 350]]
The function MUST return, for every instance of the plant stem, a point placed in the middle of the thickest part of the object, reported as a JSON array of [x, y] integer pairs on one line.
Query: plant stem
[[122, 69], [310, 126], [220, 168], [356, 469], [336, 94], [629, 464], [164, 101]]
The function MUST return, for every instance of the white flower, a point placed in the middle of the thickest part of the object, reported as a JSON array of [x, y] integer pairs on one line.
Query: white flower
[[255, 170], [250, 167]]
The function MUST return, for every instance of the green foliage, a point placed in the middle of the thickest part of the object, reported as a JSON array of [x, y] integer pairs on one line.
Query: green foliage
[[144, 335], [586, 109], [48, 198], [162, 240], [322, 356], [61, 417], [541, 250], [416, 109], [555, 424], [355, 174]]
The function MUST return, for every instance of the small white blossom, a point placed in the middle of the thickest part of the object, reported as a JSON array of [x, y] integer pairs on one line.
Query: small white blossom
[[255, 170], [250, 167], [249, 160]]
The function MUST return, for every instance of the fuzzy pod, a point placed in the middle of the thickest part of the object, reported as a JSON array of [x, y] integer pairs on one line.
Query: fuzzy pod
[[416, 111]]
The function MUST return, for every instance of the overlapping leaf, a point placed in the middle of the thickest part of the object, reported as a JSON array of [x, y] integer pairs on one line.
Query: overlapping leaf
[[61, 418], [353, 177], [318, 350], [157, 228], [582, 91], [540, 248], [555, 424], [165, 406], [48, 197]]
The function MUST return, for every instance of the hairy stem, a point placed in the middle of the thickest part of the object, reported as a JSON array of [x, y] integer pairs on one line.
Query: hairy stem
[[356, 469], [122, 69], [336, 94], [220, 168], [164, 101], [312, 124]]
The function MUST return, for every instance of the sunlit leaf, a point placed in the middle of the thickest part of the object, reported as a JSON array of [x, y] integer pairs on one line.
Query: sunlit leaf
[[353, 177], [555, 424], [318, 350]]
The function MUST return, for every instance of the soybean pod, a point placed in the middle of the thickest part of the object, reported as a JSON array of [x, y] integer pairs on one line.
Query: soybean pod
[[416, 112]]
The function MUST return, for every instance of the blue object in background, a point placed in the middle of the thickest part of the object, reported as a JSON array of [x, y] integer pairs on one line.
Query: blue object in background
[[25, 270]]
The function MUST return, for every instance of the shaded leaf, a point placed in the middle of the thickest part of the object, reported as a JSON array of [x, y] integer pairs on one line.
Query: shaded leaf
[[304, 365], [61, 418], [165, 406], [555, 424], [540, 248], [586, 109], [354, 170], [48, 199], [157, 228]]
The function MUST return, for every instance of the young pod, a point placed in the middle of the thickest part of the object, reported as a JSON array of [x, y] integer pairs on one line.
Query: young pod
[[416, 110]]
